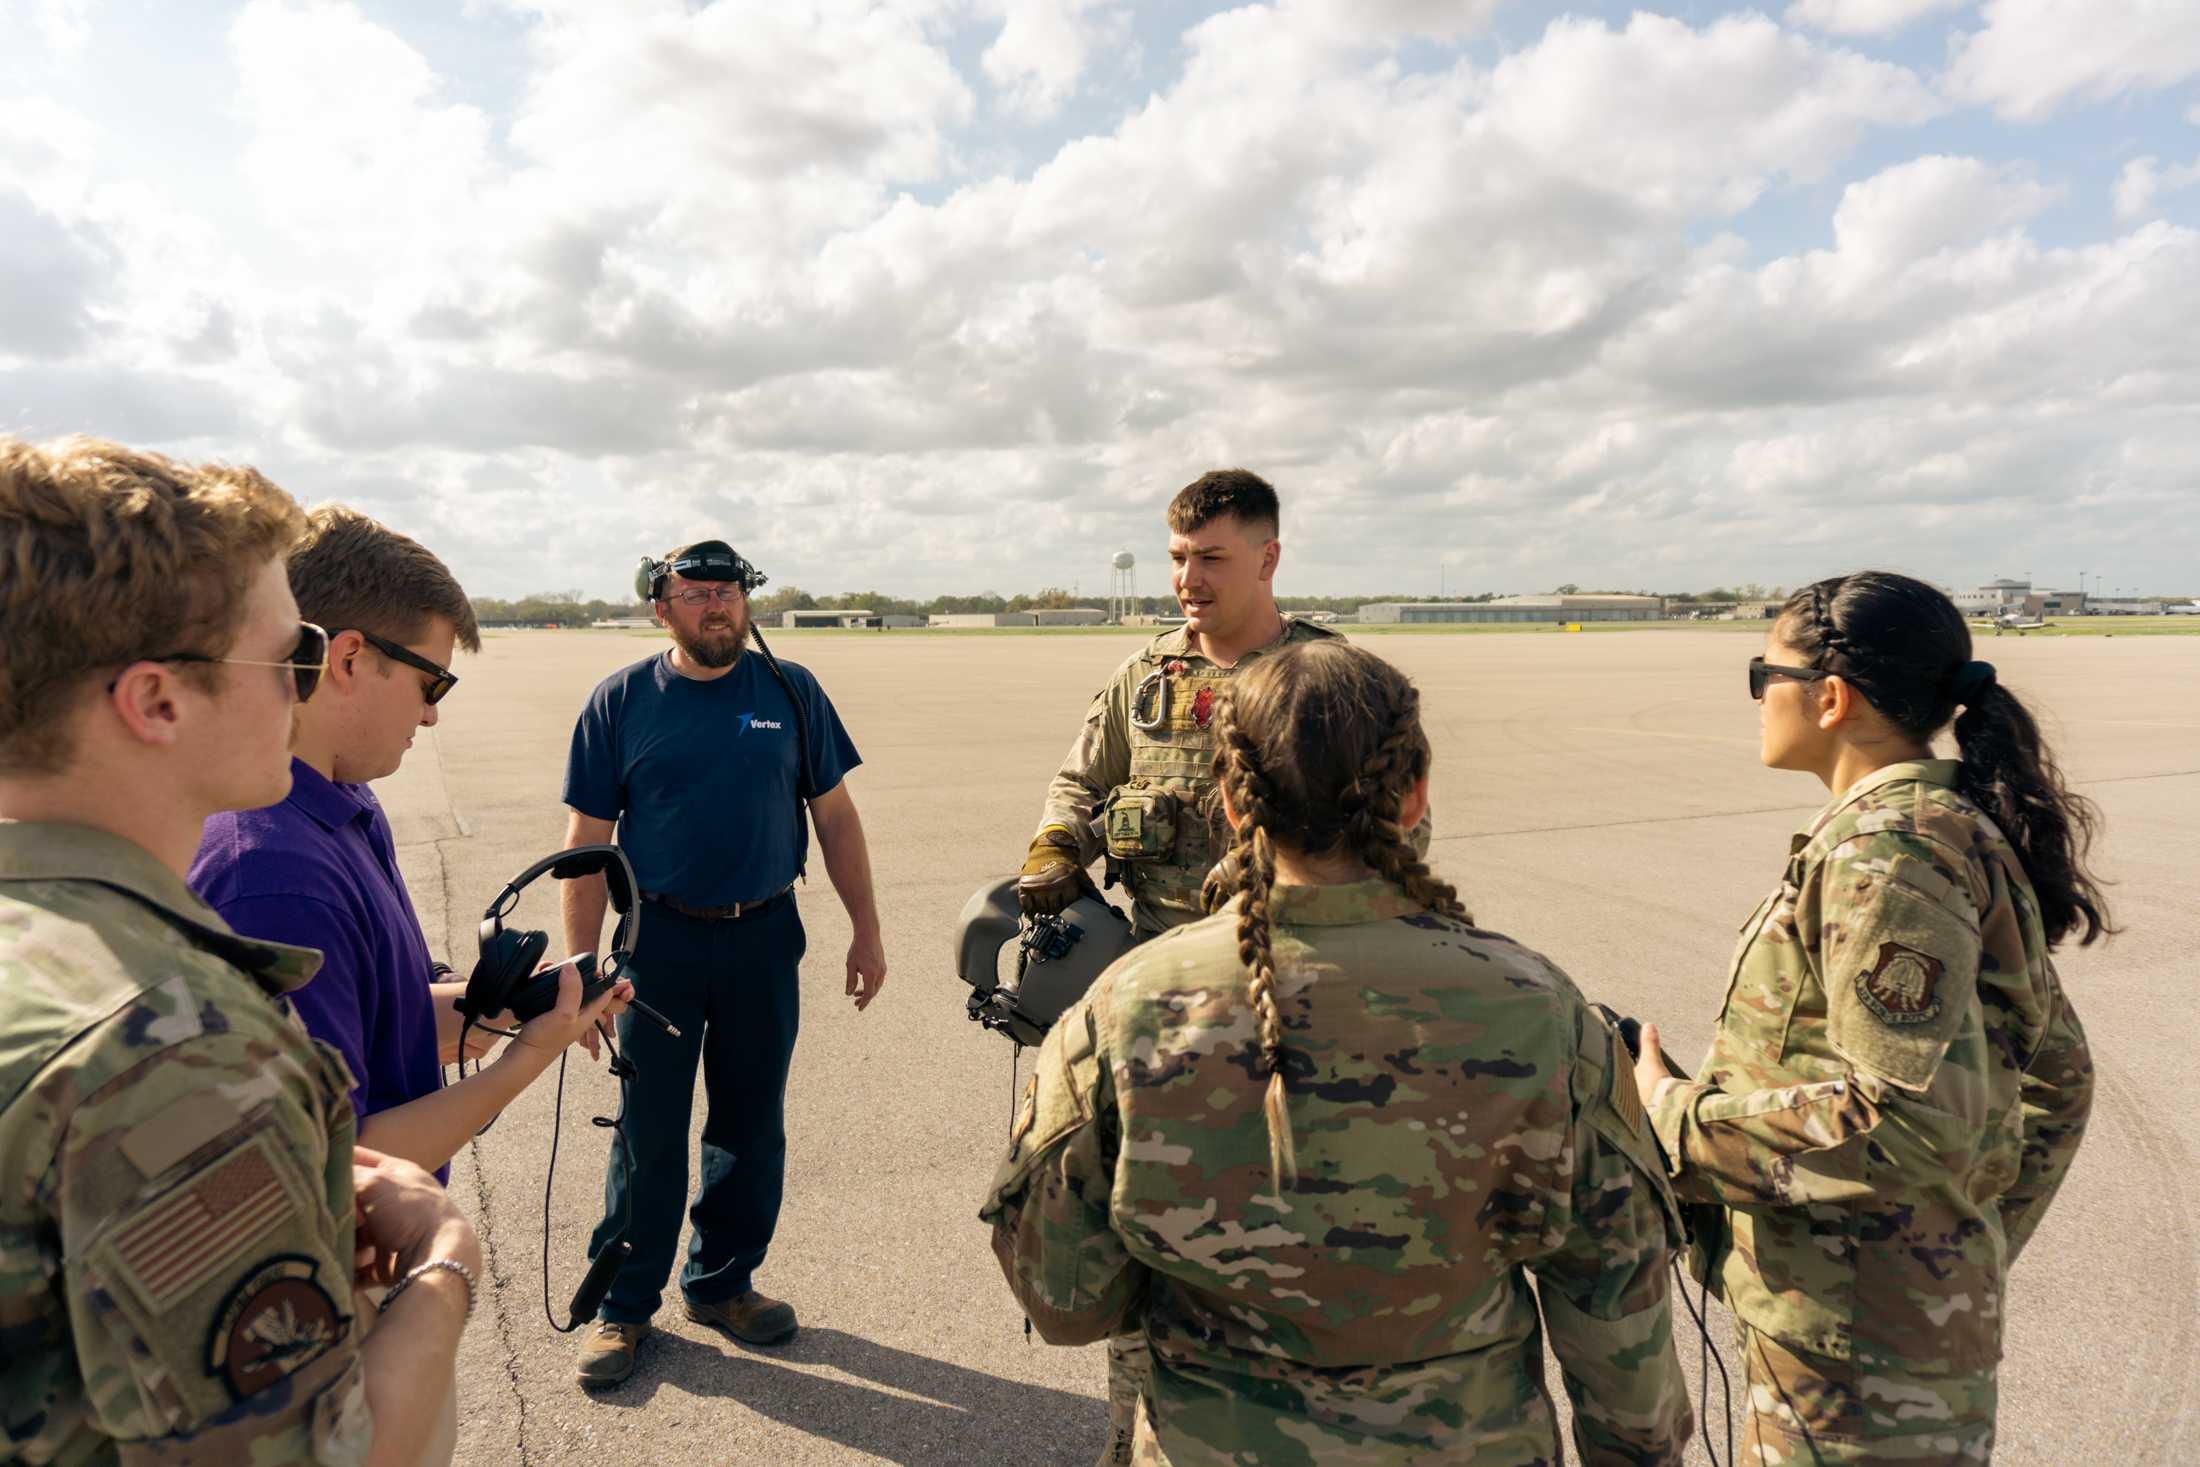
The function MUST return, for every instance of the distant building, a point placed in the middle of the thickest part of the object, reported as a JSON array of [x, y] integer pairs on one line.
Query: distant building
[[983, 619], [801, 620], [1071, 616], [626, 623], [1153, 619], [1995, 598], [2124, 606], [1515, 609], [2055, 603]]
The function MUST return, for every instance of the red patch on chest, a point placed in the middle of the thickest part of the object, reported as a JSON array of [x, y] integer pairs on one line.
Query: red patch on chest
[[1203, 707]]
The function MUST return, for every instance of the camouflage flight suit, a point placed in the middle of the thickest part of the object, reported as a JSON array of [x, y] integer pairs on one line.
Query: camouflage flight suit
[[1462, 1121], [1896, 1089], [175, 1178], [1177, 688]]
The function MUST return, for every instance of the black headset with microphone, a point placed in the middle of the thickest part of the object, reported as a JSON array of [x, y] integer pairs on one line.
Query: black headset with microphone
[[505, 981]]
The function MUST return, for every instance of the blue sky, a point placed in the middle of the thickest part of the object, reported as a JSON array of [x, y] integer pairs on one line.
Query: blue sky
[[942, 295]]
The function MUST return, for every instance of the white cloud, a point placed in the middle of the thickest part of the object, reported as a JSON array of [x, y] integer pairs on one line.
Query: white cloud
[[2034, 55], [2144, 180], [1865, 17], [62, 25], [688, 267], [1045, 48], [353, 152], [1912, 212]]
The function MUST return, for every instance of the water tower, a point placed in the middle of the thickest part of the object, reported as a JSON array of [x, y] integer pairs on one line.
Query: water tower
[[1122, 586]]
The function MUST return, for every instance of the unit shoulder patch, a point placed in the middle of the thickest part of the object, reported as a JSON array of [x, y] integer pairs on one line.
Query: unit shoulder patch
[[275, 1322], [1902, 986]]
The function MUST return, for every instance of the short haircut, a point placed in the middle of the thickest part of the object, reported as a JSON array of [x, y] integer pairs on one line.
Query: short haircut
[[1220, 492], [354, 573], [108, 555]]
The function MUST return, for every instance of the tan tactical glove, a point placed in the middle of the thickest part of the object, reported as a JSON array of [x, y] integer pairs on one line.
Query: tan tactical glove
[[1051, 877]]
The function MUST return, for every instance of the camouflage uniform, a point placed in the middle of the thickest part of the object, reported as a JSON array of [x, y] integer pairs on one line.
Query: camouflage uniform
[[175, 1177], [1461, 1119], [1896, 1089], [1112, 752]]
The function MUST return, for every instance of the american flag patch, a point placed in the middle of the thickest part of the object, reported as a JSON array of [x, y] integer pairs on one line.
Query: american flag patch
[[179, 1241]]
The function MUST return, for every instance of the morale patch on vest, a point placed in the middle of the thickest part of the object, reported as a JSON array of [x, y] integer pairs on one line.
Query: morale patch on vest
[[274, 1323], [1203, 707], [1900, 988], [178, 1242]]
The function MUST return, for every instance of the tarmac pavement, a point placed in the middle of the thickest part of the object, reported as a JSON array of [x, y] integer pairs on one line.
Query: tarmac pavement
[[1597, 797]]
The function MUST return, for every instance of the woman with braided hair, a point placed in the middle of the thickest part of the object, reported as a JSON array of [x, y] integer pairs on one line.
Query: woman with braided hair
[[1329, 1144], [1898, 1082]]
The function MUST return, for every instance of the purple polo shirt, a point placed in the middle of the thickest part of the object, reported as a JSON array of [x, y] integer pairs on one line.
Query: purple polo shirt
[[320, 870]]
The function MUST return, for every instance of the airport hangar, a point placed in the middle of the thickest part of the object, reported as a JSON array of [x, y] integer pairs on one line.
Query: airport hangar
[[1516, 609]]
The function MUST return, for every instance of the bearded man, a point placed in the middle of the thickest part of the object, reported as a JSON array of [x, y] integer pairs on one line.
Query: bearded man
[[704, 757]]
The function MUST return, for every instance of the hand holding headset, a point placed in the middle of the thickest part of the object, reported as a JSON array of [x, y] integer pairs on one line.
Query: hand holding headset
[[504, 980]]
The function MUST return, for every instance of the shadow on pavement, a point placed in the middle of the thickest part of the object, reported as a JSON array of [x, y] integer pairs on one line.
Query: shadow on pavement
[[918, 1411]]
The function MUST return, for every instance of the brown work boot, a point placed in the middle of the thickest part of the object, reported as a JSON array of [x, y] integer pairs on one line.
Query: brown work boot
[[607, 1354], [750, 1318]]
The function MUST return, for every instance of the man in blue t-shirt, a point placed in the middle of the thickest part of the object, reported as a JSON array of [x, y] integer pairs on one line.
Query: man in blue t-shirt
[[703, 758]]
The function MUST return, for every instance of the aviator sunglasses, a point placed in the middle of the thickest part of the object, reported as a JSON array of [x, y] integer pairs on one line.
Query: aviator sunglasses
[[307, 661], [1762, 672], [441, 679]]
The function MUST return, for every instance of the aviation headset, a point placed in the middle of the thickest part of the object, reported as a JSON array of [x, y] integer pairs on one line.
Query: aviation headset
[[715, 560], [504, 980]]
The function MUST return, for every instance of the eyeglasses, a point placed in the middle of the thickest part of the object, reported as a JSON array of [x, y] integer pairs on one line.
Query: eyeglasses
[[1762, 672], [701, 595], [441, 679], [307, 661]]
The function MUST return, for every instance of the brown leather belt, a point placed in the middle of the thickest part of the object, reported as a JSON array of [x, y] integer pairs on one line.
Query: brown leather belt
[[739, 911]]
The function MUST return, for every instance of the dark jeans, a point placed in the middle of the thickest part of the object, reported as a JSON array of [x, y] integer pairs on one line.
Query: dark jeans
[[732, 989]]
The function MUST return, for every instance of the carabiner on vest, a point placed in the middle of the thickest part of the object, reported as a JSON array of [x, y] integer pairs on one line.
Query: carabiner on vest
[[1156, 685]]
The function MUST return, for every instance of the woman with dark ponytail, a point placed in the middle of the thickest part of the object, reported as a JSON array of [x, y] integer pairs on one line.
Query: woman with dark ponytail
[[1898, 1082], [1319, 1143]]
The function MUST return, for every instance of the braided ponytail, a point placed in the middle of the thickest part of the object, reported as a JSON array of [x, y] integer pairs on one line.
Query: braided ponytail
[[1254, 856], [1375, 802], [1318, 746]]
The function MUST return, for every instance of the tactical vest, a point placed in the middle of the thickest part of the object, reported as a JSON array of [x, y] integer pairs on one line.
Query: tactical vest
[[1164, 829]]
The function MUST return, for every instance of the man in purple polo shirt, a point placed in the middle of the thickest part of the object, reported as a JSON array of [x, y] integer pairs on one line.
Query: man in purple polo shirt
[[320, 869]]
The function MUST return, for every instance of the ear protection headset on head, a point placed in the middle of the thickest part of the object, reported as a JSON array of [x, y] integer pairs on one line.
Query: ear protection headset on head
[[715, 560], [709, 560]]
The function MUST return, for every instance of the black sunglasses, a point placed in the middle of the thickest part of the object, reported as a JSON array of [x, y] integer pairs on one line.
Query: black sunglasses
[[443, 679], [1762, 672], [307, 661]]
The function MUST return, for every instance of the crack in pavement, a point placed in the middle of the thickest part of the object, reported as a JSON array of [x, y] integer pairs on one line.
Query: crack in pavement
[[483, 1212]]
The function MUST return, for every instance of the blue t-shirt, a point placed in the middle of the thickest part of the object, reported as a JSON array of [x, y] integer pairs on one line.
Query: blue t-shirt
[[320, 870], [701, 775]]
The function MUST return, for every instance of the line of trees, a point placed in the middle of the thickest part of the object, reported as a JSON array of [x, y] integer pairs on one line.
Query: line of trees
[[575, 608]]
